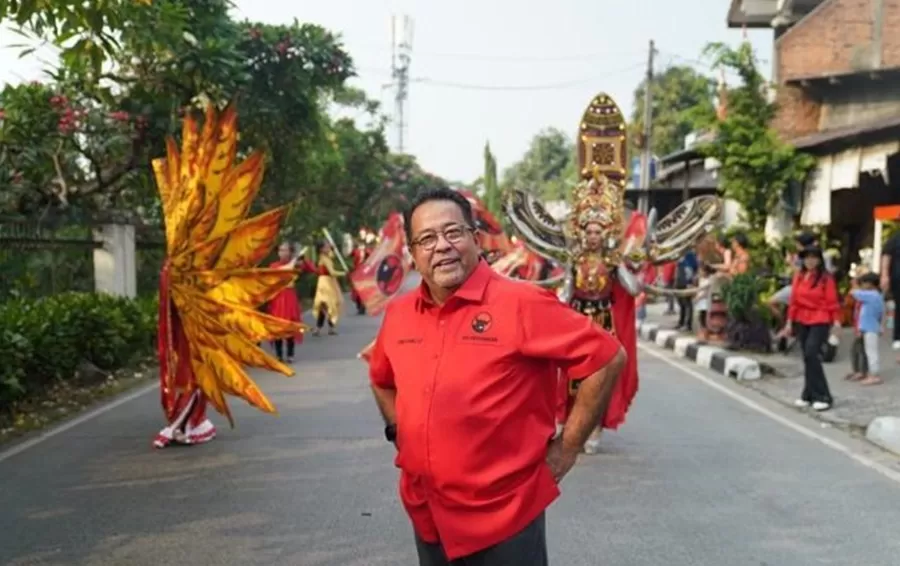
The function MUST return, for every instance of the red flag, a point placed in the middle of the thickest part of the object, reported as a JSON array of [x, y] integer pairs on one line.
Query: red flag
[[494, 241], [378, 279]]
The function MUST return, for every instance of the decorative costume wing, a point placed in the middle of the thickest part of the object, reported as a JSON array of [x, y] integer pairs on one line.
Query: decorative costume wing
[[211, 287], [543, 233]]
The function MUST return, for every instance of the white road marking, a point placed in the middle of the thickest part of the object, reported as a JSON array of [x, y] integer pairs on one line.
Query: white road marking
[[50, 433], [807, 432], [18, 448]]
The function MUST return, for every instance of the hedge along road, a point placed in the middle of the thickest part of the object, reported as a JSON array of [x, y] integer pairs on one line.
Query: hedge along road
[[694, 477]]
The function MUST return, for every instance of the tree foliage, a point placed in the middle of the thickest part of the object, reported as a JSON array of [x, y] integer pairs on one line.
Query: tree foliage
[[493, 197], [84, 140], [82, 30], [547, 169], [682, 103], [756, 166]]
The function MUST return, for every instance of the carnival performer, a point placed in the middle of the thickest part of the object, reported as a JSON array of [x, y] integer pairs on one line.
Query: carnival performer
[[360, 254], [210, 287], [329, 299], [605, 248], [286, 305]]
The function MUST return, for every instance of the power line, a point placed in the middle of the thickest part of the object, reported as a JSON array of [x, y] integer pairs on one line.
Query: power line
[[523, 58], [529, 88]]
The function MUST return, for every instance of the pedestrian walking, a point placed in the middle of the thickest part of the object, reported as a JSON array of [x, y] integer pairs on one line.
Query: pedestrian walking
[[464, 372], [814, 314], [685, 275]]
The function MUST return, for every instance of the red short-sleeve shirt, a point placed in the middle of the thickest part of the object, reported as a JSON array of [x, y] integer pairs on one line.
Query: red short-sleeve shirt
[[475, 383]]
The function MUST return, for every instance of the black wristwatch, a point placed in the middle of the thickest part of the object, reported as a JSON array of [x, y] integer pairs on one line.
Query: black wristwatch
[[390, 433]]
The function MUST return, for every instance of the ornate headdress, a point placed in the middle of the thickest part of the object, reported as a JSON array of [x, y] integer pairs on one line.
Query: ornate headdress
[[599, 197]]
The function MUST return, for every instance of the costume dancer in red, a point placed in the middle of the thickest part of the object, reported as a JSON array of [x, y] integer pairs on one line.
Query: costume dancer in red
[[285, 304], [359, 256], [606, 251], [210, 287]]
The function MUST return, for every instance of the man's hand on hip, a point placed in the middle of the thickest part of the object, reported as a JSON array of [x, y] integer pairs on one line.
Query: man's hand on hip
[[560, 459]]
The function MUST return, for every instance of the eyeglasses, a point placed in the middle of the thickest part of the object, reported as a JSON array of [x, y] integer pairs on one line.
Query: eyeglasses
[[453, 235]]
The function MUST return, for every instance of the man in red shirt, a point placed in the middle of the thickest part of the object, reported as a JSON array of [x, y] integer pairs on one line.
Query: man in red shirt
[[464, 373]]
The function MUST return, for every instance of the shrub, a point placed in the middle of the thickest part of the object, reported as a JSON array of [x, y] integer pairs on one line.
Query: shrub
[[49, 338]]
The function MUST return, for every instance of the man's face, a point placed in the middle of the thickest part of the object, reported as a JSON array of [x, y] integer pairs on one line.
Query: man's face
[[284, 252], [593, 236], [445, 249]]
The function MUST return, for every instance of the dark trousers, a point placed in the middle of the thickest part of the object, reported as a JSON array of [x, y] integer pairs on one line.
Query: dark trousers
[[322, 317], [686, 312], [279, 348], [528, 547], [858, 361], [895, 294], [815, 385]]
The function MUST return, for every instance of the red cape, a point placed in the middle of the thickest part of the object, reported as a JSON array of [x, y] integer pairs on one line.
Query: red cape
[[623, 313]]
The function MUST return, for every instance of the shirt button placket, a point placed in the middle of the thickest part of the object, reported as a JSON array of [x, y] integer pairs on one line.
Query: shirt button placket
[[429, 387]]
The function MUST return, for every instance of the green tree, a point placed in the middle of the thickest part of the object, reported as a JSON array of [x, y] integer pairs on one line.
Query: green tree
[[493, 198], [104, 133], [84, 31], [682, 103], [756, 167], [548, 167]]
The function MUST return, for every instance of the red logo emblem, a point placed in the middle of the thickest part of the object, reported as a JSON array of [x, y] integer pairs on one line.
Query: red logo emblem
[[389, 276], [482, 322]]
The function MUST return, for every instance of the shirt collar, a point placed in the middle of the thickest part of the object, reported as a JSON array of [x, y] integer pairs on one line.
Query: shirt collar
[[471, 290]]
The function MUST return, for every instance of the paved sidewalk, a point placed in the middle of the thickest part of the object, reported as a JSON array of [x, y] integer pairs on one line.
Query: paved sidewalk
[[781, 375]]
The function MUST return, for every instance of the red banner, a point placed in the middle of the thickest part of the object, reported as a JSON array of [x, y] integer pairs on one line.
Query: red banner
[[379, 278], [494, 241]]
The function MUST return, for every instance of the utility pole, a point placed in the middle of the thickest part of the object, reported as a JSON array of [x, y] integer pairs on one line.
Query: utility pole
[[646, 152], [401, 55]]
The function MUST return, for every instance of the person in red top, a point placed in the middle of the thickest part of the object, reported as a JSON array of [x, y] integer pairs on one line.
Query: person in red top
[[285, 304], [359, 255], [464, 373], [813, 311]]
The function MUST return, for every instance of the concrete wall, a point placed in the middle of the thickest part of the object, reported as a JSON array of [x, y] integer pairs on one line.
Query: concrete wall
[[845, 108]]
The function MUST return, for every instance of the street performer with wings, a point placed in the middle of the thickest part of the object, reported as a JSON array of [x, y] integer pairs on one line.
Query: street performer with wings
[[605, 250]]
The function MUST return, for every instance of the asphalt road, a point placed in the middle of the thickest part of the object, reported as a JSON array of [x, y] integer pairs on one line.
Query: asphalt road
[[694, 478]]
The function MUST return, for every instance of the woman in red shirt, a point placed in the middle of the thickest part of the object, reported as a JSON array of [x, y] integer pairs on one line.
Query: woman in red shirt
[[813, 311]]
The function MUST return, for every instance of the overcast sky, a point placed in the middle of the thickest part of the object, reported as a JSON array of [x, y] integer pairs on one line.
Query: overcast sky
[[491, 70]]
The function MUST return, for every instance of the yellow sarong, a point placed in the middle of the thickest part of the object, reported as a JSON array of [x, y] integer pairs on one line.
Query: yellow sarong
[[328, 291]]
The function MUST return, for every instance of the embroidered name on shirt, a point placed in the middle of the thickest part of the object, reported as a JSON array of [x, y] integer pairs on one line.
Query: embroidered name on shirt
[[409, 341], [480, 338]]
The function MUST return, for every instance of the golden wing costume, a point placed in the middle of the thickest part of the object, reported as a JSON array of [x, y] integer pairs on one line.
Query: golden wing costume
[[210, 286]]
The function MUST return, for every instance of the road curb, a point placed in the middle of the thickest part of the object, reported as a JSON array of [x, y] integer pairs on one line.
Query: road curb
[[714, 358], [882, 431]]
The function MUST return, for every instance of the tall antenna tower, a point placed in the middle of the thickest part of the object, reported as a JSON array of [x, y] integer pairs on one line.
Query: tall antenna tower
[[401, 55]]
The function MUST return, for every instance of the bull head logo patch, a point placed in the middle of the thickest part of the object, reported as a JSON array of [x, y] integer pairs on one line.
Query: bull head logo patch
[[482, 322]]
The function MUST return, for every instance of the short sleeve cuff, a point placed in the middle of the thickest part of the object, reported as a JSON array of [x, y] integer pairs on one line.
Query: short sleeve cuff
[[380, 381], [601, 358]]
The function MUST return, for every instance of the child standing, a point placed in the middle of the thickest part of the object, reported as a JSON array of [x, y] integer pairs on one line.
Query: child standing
[[868, 324], [859, 366]]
